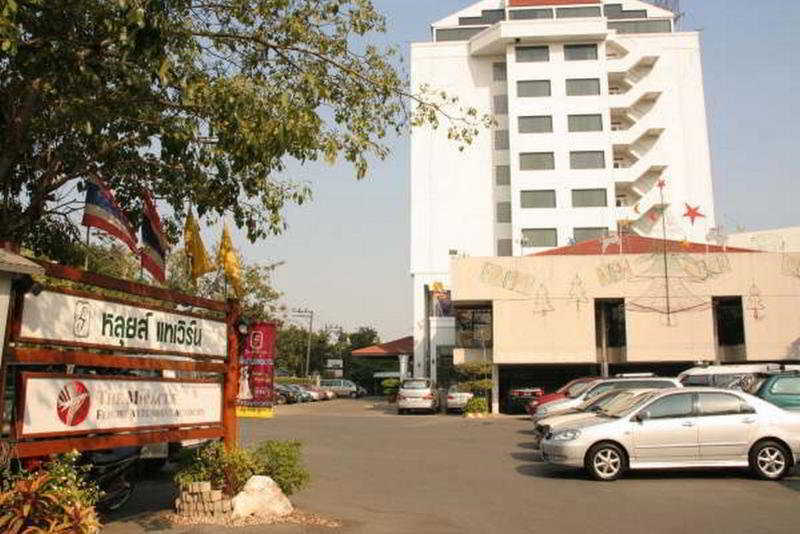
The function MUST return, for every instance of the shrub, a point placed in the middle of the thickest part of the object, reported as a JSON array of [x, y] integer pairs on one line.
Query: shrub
[[230, 470], [390, 386], [474, 370], [478, 387], [477, 405], [294, 380], [55, 499], [282, 462]]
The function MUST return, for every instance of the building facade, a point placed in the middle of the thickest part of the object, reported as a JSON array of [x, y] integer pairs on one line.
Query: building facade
[[642, 304], [600, 127]]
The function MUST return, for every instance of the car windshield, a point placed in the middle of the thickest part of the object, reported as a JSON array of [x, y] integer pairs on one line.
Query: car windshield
[[575, 390], [415, 384], [624, 408], [595, 403]]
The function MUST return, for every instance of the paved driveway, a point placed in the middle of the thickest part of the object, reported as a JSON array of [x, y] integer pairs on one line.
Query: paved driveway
[[383, 473]]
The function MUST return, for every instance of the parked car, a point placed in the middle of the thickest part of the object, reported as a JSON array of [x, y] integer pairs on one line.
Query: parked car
[[456, 400], [734, 376], [781, 389], [681, 428], [288, 393], [315, 395], [601, 385], [360, 391], [572, 387], [613, 399], [417, 394], [340, 386], [302, 394], [518, 398]]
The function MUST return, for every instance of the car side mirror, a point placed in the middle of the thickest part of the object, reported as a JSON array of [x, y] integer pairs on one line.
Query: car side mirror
[[641, 417]]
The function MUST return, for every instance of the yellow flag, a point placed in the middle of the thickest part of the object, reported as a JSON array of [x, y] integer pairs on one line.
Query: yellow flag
[[230, 263], [195, 251]]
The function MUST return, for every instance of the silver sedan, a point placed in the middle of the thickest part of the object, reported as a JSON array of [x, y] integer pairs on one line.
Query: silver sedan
[[681, 428]]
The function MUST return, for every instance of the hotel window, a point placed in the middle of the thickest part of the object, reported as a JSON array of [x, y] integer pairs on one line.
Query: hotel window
[[587, 160], [543, 198], [587, 234], [533, 88], [532, 54], [589, 198], [504, 212], [528, 14], [641, 26], [576, 12], [504, 247], [473, 328], [501, 140], [583, 87], [580, 52], [585, 123], [536, 124], [502, 175], [539, 237], [501, 105], [499, 73], [537, 161]]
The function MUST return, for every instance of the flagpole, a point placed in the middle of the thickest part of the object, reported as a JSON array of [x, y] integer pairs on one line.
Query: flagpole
[[86, 257], [666, 262]]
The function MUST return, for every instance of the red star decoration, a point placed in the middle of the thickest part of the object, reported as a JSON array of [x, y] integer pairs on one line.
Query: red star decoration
[[693, 213], [662, 184]]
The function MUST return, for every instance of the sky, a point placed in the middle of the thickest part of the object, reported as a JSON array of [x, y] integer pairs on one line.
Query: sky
[[346, 252]]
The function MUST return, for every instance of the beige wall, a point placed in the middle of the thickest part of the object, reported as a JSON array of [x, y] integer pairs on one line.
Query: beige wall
[[544, 305]]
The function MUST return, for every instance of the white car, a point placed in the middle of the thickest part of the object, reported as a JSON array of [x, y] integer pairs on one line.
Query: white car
[[417, 394], [610, 400], [456, 400], [601, 385], [681, 428], [739, 376]]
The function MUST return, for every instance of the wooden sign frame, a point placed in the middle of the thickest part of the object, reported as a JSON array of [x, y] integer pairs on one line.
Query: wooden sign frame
[[21, 353]]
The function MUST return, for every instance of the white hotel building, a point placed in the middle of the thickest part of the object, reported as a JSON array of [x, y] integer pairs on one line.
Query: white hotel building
[[596, 102]]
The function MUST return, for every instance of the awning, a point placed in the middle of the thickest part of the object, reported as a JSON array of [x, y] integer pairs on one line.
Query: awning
[[397, 347]]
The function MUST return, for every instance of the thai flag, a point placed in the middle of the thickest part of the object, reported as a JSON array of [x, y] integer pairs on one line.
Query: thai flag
[[103, 212], [154, 243]]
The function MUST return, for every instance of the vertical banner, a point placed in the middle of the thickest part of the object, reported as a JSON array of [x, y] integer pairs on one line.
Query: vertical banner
[[257, 372]]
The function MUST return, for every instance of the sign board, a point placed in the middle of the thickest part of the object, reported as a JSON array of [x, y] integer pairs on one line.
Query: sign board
[[75, 320], [337, 373], [257, 372], [57, 405], [335, 364]]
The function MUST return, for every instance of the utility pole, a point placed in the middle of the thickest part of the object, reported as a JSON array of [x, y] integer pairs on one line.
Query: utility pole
[[303, 312]]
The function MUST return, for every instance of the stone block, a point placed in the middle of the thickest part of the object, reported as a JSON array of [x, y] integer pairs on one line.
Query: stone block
[[205, 486], [263, 496], [216, 495]]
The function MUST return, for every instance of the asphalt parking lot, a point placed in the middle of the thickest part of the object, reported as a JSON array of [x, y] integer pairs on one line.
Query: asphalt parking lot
[[382, 473]]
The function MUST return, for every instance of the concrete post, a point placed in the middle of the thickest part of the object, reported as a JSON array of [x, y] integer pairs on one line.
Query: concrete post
[[403, 366], [495, 408]]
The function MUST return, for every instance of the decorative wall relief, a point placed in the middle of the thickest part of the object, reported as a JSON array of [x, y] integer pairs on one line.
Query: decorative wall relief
[[577, 292], [614, 272], [541, 302], [517, 281], [755, 303]]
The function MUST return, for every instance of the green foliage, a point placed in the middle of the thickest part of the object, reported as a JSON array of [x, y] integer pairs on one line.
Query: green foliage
[[55, 499], [479, 387], [477, 405], [474, 370], [293, 380], [390, 386], [229, 470], [202, 104], [282, 461]]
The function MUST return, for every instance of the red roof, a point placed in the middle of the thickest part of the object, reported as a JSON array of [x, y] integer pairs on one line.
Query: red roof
[[397, 347], [634, 244]]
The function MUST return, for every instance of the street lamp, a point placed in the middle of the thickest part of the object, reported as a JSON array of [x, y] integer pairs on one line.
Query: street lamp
[[305, 312]]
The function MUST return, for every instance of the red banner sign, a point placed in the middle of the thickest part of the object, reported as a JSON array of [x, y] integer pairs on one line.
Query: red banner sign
[[257, 371]]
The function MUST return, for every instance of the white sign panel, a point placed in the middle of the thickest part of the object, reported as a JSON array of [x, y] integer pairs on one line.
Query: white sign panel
[[75, 404], [59, 317], [335, 364]]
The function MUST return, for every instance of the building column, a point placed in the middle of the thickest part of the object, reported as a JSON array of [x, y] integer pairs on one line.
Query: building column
[[495, 408]]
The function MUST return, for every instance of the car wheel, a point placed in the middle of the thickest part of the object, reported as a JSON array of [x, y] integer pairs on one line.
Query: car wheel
[[353, 394], [401, 411], [606, 462], [769, 460]]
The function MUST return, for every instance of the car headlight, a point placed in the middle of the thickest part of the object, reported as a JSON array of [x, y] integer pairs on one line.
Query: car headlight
[[566, 435]]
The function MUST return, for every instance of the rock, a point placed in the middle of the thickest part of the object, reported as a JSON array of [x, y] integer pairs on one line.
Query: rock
[[261, 496]]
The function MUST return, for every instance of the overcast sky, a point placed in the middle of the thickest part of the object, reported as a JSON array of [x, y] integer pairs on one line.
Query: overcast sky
[[347, 252]]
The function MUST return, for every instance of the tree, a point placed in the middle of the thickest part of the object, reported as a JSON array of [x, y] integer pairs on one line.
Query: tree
[[259, 301], [199, 102], [292, 345]]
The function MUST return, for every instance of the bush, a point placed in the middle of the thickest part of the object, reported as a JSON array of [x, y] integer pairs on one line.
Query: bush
[[481, 388], [55, 499], [294, 380], [474, 370], [230, 470], [477, 405], [390, 386], [282, 462]]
